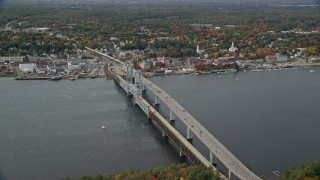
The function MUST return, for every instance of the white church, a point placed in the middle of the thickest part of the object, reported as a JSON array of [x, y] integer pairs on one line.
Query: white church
[[199, 51], [232, 48]]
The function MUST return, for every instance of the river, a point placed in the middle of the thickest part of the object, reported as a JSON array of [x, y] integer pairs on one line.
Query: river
[[52, 130], [269, 120]]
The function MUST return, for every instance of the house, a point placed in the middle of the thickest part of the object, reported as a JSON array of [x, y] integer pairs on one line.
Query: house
[[177, 62], [227, 59], [276, 58], [4, 69], [73, 66], [271, 58], [51, 69], [145, 65], [157, 63], [172, 67], [192, 61], [281, 58], [126, 54], [314, 60]]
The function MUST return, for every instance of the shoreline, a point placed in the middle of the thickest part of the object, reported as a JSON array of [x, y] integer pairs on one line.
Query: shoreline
[[277, 68]]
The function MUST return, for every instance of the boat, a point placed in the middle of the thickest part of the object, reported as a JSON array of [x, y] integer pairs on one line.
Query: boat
[[71, 78], [237, 79], [103, 127], [312, 71], [55, 78]]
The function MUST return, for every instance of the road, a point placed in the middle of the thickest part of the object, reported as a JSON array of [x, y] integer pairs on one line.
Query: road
[[221, 152]]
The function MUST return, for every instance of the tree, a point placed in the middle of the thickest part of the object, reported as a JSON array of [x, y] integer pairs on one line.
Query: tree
[[311, 170]]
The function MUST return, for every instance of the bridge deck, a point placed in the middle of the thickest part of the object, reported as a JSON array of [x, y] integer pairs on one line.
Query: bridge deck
[[221, 152], [105, 55], [193, 154]]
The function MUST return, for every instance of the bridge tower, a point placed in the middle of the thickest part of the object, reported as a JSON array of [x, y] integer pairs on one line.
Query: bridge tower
[[129, 68], [137, 82]]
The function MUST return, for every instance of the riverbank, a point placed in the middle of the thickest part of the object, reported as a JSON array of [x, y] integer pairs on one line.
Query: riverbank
[[181, 171], [176, 72], [52, 77]]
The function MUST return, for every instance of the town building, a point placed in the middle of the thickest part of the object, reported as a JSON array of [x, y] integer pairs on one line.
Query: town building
[[72, 66], [51, 69], [145, 65], [314, 60], [199, 51], [276, 58], [4, 69], [27, 68], [11, 59]]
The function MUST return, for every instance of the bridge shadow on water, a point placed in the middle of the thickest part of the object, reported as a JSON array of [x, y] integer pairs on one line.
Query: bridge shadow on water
[[170, 148]]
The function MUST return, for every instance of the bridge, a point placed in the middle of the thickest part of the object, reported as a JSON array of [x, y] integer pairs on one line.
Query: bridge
[[133, 84]]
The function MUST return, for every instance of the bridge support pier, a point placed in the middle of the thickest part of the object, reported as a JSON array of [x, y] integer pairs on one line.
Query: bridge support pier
[[128, 91], [129, 94], [172, 116], [181, 154], [189, 134], [156, 100], [164, 136], [213, 159], [143, 88]]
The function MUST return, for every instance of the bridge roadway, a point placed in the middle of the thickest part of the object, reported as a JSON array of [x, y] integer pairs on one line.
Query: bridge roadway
[[105, 55], [222, 153], [183, 144]]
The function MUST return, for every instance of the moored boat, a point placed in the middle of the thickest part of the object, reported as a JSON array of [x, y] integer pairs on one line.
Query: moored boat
[[55, 78]]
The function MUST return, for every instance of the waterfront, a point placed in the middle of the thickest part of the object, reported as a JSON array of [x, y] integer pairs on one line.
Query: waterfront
[[58, 128]]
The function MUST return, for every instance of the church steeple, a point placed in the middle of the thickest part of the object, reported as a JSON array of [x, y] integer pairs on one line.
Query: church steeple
[[232, 48]]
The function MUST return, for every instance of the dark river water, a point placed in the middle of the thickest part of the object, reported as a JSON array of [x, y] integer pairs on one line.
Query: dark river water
[[51, 130], [269, 120]]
